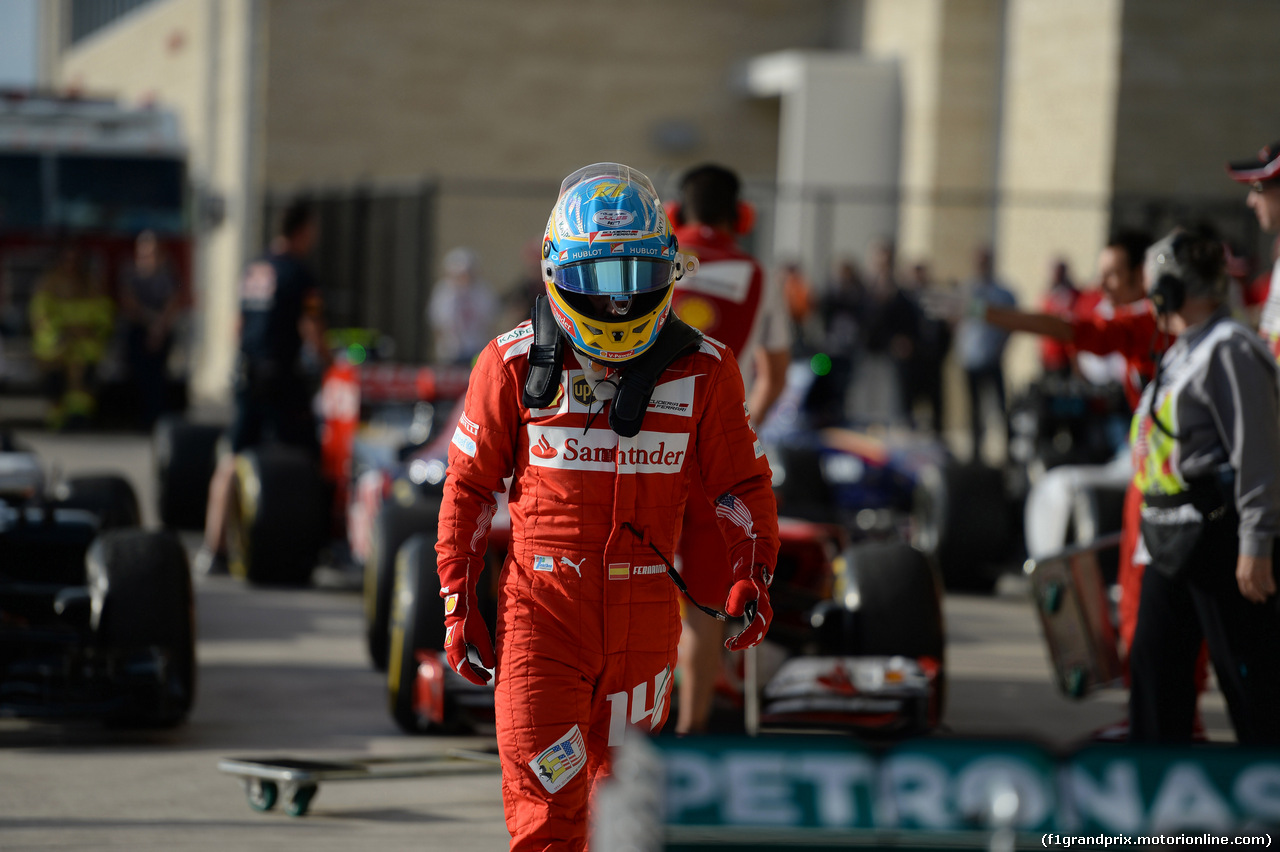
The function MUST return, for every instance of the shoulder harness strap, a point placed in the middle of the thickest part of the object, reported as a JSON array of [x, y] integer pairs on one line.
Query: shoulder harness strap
[[638, 377], [546, 357], [635, 382]]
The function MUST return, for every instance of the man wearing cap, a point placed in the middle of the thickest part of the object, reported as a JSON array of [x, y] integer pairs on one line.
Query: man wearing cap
[[1262, 175]]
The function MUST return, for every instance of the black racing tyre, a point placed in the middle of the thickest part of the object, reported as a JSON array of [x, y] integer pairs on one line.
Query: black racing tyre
[[278, 518], [143, 584], [417, 623], [962, 520], [185, 455], [899, 610], [393, 526], [109, 497]]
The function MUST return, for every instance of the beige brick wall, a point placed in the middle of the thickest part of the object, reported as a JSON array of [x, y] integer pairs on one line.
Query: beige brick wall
[[950, 61], [1198, 88], [967, 129], [910, 31], [505, 89], [160, 53], [509, 89], [1062, 75]]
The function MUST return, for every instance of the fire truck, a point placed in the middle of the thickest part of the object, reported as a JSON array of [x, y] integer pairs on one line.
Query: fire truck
[[92, 174]]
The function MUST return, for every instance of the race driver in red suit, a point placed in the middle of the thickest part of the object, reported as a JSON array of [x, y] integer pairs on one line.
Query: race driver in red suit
[[729, 300], [597, 438]]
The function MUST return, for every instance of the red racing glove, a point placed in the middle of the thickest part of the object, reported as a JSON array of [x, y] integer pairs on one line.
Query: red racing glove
[[749, 596], [466, 636]]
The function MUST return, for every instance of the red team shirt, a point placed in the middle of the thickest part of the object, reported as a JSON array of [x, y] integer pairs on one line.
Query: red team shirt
[[1132, 332]]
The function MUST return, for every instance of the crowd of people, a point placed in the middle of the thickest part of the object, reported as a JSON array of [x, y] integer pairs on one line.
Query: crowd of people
[[887, 352]]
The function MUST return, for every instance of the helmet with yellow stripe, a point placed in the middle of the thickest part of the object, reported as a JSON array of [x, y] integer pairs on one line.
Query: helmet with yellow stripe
[[610, 260]]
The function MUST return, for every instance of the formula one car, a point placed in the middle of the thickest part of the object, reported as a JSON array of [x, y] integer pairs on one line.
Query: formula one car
[[857, 641], [895, 485], [96, 616]]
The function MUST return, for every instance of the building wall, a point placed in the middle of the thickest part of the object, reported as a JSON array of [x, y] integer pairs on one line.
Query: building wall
[[1062, 77], [504, 92], [950, 55], [910, 31], [1197, 88], [402, 88], [199, 58], [968, 127], [159, 53]]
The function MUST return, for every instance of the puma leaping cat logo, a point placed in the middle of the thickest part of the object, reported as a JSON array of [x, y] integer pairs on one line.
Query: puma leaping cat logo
[[567, 561]]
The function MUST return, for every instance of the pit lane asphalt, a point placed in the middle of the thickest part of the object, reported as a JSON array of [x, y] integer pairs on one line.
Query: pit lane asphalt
[[285, 672]]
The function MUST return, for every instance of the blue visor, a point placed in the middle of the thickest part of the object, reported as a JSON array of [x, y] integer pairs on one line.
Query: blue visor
[[624, 277]]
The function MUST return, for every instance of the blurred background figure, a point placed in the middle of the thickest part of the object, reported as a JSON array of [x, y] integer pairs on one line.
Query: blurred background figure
[[1060, 300], [841, 312], [890, 323], [730, 300], [980, 347], [798, 294], [519, 300], [932, 343], [71, 323], [281, 317], [463, 309], [149, 305], [1262, 175]]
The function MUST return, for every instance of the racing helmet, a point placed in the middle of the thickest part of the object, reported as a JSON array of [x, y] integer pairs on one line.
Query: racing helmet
[[610, 261]]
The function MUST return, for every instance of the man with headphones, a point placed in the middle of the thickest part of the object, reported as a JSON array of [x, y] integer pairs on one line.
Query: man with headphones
[[1206, 448], [730, 301], [598, 412]]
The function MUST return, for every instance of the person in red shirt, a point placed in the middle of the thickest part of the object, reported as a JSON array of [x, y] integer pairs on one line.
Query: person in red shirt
[[1122, 322], [1061, 300], [728, 300], [1129, 330]]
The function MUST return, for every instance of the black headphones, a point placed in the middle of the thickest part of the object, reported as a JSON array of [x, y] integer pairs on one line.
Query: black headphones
[[1186, 261], [1168, 294]]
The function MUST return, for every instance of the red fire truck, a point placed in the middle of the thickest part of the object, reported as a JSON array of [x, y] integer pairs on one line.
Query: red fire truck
[[94, 175]]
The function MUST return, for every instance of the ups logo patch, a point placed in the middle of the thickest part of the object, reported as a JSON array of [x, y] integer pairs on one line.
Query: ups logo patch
[[582, 391]]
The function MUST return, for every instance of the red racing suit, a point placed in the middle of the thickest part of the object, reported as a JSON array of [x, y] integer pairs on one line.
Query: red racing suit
[[588, 621], [723, 301]]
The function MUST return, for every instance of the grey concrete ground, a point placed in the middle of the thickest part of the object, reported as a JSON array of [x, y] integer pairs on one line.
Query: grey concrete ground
[[284, 671]]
